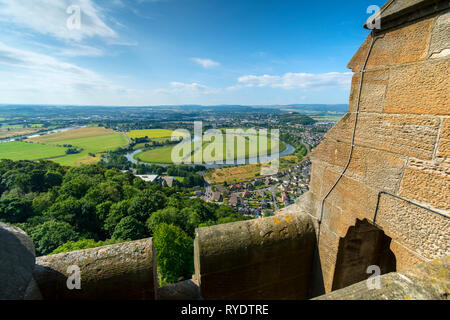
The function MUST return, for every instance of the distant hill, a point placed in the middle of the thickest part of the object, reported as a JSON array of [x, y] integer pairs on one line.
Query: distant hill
[[314, 109], [306, 109]]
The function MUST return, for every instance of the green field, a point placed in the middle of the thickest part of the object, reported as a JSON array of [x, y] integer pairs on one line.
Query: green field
[[164, 154], [151, 133], [94, 140], [29, 151]]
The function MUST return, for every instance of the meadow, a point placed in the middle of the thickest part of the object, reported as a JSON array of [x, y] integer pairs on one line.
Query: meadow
[[17, 150], [93, 141], [209, 151]]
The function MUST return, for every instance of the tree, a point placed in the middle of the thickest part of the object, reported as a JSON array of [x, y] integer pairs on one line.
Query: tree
[[51, 234], [174, 252], [117, 212], [66, 210], [142, 206], [52, 179], [167, 215], [129, 228], [15, 210]]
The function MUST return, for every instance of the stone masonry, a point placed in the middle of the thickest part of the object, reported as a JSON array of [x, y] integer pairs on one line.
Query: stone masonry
[[402, 144]]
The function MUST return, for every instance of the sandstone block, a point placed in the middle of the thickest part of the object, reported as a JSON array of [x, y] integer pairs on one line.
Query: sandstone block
[[373, 91], [124, 271], [443, 150], [17, 258], [421, 231], [408, 135], [259, 259], [440, 38], [407, 44], [428, 183], [420, 88]]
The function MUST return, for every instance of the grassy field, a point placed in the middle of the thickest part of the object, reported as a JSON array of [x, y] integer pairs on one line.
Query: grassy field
[[94, 140], [164, 154], [157, 155], [151, 133], [29, 151]]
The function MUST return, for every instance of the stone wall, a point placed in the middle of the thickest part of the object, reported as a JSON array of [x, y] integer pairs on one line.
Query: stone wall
[[402, 146], [427, 281], [267, 258], [125, 271]]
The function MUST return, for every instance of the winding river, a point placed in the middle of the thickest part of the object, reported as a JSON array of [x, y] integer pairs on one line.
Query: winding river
[[287, 151]]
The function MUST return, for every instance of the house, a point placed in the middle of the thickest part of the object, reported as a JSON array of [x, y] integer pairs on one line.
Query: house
[[216, 197], [246, 195], [257, 182], [221, 189], [198, 193], [150, 178], [167, 181], [235, 200]]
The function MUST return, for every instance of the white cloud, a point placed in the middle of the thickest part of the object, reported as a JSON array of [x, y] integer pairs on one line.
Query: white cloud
[[80, 51], [28, 77], [298, 80], [50, 17], [206, 63], [187, 88]]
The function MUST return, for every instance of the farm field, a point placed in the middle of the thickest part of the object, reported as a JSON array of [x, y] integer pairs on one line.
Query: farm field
[[16, 150], [151, 133], [164, 154], [233, 174], [94, 140], [242, 173], [7, 131]]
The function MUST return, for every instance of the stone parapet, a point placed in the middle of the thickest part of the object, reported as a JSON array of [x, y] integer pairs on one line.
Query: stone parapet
[[125, 271], [268, 258]]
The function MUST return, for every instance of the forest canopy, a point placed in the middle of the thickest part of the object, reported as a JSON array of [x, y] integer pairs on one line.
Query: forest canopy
[[65, 209]]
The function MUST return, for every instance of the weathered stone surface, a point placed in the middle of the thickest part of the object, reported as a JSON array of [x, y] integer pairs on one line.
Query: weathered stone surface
[[376, 168], [406, 44], [443, 150], [440, 38], [426, 182], [121, 271], [33, 292], [17, 258], [399, 5], [328, 247], [185, 290], [406, 258], [419, 88], [421, 231], [428, 281], [363, 246], [258, 259], [408, 135], [373, 93], [351, 197]]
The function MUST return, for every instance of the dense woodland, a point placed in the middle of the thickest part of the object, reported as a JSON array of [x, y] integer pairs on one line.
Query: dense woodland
[[66, 209]]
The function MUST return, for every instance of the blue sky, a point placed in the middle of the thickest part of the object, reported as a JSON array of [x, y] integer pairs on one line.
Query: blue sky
[[169, 52]]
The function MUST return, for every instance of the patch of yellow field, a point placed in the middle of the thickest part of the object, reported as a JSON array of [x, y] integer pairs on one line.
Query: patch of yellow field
[[152, 133]]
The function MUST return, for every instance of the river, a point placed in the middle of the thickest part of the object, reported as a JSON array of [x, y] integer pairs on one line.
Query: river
[[288, 151], [41, 134]]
